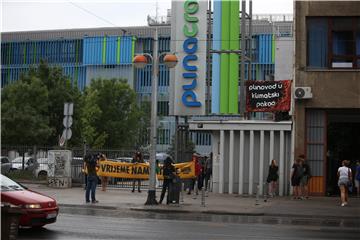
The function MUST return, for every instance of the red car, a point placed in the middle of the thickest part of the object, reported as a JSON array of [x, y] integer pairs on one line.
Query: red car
[[39, 209]]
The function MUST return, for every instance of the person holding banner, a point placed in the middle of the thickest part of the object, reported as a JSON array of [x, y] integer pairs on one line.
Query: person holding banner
[[104, 179], [91, 163], [169, 172], [138, 158]]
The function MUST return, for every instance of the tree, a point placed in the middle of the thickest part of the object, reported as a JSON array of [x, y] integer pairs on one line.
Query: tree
[[35, 103], [60, 90], [24, 109], [110, 116]]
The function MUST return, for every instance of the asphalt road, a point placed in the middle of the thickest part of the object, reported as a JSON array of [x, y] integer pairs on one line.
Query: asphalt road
[[75, 224]]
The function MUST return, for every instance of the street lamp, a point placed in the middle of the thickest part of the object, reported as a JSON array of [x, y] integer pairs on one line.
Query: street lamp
[[140, 61]]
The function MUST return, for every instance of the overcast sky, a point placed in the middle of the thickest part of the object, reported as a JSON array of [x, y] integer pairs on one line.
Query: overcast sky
[[26, 15]]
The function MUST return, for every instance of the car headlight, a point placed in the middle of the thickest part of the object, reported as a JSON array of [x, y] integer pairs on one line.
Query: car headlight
[[32, 206]]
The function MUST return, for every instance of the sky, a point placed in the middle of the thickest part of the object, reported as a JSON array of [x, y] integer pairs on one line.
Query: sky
[[27, 15]]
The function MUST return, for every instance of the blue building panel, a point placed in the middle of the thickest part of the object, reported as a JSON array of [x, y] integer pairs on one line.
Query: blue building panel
[[111, 50]]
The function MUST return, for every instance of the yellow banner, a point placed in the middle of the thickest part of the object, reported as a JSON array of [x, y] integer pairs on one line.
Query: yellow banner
[[141, 170]]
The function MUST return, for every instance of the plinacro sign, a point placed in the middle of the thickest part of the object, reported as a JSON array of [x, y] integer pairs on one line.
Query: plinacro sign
[[188, 41]]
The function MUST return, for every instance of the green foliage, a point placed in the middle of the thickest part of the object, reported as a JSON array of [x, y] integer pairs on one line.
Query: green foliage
[[32, 107], [105, 114], [110, 116], [24, 113]]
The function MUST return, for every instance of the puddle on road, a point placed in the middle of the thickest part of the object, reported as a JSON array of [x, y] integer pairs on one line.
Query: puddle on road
[[272, 220]]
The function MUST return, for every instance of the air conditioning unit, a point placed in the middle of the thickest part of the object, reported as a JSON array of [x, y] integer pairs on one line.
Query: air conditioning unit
[[302, 93]]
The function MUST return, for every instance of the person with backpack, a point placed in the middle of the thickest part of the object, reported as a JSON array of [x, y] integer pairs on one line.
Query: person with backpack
[[296, 175], [357, 178], [91, 163]]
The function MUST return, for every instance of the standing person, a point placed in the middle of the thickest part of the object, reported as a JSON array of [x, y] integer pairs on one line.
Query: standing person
[[157, 170], [296, 174], [168, 173], [272, 178], [195, 181], [208, 171], [357, 178], [138, 158], [104, 179], [345, 178], [304, 181], [91, 163]]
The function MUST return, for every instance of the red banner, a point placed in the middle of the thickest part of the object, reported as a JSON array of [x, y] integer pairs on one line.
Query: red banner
[[268, 96]]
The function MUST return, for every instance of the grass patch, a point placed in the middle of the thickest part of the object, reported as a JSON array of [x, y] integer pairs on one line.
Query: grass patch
[[21, 174]]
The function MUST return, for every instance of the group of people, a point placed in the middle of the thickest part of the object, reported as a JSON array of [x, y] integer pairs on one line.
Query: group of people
[[300, 176], [203, 173]]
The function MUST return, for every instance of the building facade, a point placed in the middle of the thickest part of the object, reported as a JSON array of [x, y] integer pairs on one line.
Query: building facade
[[327, 122], [86, 54]]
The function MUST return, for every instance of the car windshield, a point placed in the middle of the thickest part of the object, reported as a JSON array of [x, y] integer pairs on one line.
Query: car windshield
[[9, 185]]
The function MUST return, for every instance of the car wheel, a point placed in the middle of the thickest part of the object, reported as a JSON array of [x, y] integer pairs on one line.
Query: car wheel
[[42, 174]]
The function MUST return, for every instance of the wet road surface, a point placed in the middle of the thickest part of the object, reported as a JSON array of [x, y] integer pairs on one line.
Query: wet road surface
[[77, 223]]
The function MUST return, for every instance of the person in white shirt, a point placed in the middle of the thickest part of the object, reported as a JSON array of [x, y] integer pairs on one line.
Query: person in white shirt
[[345, 178]]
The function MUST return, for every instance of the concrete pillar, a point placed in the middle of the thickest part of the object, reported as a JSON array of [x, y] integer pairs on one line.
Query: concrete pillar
[[281, 164], [271, 154], [216, 160], [251, 163], [261, 163], [231, 162], [221, 163], [241, 163]]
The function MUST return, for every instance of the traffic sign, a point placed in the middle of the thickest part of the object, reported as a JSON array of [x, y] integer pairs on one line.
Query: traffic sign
[[68, 109], [67, 133], [67, 121]]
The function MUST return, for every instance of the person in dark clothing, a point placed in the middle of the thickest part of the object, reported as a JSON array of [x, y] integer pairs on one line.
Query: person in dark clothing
[[138, 158], [304, 181], [208, 171], [91, 163], [272, 178], [296, 175], [168, 172]]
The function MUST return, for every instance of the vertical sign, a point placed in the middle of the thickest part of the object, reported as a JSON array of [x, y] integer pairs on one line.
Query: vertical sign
[[188, 41]]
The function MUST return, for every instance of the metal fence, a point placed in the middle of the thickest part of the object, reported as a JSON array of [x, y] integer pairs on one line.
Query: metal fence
[[34, 159]]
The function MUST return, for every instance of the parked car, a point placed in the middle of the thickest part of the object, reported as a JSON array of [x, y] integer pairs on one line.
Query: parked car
[[43, 168], [124, 159], [29, 163], [39, 209], [5, 164]]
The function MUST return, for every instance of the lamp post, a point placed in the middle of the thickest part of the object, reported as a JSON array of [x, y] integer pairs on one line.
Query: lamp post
[[140, 61]]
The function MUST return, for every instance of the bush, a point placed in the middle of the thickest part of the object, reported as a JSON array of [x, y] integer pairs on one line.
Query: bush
[[21, 174]]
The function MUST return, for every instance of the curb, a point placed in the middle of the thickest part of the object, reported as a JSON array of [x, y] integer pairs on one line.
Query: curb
[[89, 206], [208, 212]]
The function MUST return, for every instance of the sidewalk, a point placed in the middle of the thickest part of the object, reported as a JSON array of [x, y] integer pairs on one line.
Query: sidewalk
[[124, 199]]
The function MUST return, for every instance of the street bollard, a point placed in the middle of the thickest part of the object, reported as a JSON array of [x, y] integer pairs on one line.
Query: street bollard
[[257, 194], [196, 190], [202, 197]]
